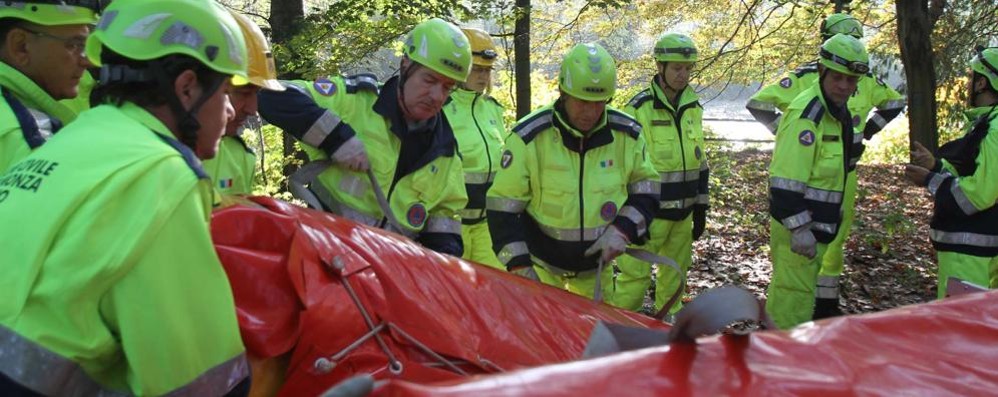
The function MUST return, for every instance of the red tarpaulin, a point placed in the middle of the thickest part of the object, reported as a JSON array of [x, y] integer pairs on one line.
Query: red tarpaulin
[[288, 265], [947, 348]]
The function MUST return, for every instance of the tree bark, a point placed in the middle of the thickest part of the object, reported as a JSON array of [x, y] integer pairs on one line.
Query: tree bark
[[521, 51], [915, 36], [285, 17]]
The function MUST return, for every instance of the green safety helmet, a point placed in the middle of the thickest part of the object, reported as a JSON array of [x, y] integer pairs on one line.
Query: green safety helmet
[[441, 47], [52, 12], [149, 29], [985, 62], [841, 23], [588, 72], [675, 47], [844, 54]]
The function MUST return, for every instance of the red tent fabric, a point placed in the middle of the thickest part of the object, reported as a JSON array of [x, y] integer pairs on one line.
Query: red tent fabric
[[292, 271]]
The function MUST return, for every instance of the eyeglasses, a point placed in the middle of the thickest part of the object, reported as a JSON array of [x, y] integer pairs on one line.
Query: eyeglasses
[[984, 61], [487, 55], [853, 66], [74, 44]]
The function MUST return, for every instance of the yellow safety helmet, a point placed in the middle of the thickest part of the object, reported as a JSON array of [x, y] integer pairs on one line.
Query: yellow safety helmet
[[483, 50], [261, 70]]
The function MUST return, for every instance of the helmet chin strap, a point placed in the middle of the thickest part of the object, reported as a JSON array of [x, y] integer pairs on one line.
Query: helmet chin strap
[[187, 119], [403, 77]]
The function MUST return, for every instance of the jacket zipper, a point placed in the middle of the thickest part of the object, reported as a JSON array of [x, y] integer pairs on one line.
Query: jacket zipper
[[488, 151]]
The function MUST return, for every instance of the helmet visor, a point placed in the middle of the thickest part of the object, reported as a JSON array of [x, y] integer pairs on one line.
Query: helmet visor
[[984, 61], [93, 5], [686, 52], [487, 55], [853, 66]]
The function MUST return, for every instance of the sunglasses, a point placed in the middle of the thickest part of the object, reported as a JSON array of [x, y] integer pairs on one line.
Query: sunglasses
[[853, 66]]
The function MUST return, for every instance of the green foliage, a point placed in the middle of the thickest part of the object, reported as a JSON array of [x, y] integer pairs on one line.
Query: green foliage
[[269, 177], [740, 43]]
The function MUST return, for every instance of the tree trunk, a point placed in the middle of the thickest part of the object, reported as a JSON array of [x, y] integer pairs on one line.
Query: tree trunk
[[840, 5], [521, 50], [914, 34], [285, 17]]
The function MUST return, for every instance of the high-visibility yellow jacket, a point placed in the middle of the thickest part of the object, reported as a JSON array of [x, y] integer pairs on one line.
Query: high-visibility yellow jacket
[[417, 166], [233, 167], [871, 93], [478, 126], [965, 188], [110, 279], [810, 161], [676, 148], [28, 116], [558, 189]]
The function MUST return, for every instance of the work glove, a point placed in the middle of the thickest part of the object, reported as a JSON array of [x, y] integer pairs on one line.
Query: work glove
[[802, 242], [611, 244], [526, 272], [922, 157], [351, 154], [917, 175], [699, 221]]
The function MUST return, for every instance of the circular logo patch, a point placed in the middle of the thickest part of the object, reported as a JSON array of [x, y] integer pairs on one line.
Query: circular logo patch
[[506, 160], [806, 137], [608, 211], [697, 152], [786, 82], [324, 87], [416, 215], [855, 121]]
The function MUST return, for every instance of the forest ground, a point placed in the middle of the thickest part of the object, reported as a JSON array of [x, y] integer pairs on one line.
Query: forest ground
[[889, 261]]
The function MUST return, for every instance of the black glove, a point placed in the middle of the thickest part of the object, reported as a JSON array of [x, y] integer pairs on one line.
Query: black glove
[[699, 221]]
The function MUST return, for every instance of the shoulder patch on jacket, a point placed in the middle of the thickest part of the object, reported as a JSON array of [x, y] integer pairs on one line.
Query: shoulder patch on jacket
[[530, 127], [620, 121], [814, 111], [810, 67], [362, 82], [640, 98]]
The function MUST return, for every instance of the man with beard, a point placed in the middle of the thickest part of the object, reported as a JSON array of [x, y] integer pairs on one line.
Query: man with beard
[[397, 131], [111, 283], [963, 184]]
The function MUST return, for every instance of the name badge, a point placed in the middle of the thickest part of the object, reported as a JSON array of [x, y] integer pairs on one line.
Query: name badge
[[664, 123]]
